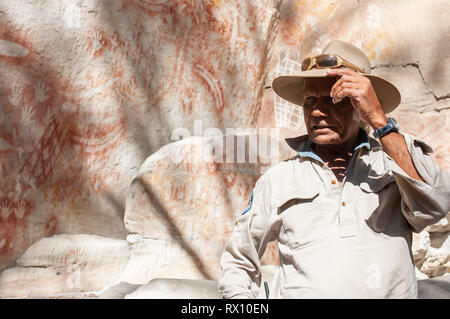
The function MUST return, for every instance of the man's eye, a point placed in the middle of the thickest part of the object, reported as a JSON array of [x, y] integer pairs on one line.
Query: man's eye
[[310, 101]]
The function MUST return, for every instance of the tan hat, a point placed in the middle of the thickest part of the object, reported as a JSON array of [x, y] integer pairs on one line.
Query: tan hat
[[290, 87]]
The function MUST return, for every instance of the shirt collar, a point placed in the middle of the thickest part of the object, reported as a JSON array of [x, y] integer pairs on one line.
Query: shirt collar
[[363, 140], [303, 146]]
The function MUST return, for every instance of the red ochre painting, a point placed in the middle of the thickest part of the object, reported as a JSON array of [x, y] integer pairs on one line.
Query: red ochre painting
[[48, 141], [75, 111]]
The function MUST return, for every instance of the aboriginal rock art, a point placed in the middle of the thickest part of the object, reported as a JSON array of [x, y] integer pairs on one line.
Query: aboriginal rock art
[[72, 122], [45, 135], [198, 64]]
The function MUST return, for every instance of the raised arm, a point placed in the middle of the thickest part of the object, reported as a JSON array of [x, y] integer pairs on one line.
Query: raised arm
[[424, 186]]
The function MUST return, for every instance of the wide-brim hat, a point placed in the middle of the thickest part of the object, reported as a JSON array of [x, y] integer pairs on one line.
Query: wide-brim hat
[[290, 87]]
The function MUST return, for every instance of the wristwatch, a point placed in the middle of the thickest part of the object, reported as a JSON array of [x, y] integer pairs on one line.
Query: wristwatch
[[391, 126]]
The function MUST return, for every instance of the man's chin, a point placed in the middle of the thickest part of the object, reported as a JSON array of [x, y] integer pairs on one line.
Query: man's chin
[[323, 139]]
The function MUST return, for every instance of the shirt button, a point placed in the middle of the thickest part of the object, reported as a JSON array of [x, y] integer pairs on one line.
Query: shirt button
[[343, 203], [236, 223], [333, 182]]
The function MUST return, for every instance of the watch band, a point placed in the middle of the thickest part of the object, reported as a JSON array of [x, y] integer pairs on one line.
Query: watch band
[[391, 126]]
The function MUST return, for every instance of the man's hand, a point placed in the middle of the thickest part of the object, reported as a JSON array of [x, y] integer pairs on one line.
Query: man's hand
[[361, 93]]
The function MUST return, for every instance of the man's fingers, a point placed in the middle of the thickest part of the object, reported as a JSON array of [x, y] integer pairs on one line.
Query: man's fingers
[[341, 71], [336, 94], [337, 91], [347, 92], [350, 91], [343, 79]]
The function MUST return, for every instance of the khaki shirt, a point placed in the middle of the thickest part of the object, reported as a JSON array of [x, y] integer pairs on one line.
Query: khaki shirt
[[349, 241]]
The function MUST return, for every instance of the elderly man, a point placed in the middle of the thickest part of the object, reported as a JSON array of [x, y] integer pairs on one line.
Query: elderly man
[[344, 208]]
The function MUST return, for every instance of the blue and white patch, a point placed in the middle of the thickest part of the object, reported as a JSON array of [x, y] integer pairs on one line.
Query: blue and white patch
[[250, 206]]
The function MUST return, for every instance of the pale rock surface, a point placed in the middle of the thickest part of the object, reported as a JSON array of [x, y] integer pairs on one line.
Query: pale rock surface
[[64, 265], [118, 291], [437, 258], [177, 289], [441, 226]]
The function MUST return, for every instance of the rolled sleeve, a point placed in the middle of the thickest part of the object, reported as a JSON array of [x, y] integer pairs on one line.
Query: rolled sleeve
[[240, 260], [423, 203]]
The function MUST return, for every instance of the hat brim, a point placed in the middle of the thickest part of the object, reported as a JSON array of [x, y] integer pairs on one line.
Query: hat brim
[[290, 87]]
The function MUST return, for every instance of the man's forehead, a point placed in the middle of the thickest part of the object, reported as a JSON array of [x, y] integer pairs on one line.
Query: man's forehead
[[321, 86]]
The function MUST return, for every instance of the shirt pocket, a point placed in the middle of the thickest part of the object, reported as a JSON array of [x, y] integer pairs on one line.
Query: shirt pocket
[[301, 217], [383, 202], [376, 183]]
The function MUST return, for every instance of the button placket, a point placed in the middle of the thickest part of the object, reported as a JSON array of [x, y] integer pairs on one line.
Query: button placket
[[347, 218], [347, 223]]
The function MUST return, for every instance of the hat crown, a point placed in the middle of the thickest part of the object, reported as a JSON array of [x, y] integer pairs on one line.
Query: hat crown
[[350, 53]]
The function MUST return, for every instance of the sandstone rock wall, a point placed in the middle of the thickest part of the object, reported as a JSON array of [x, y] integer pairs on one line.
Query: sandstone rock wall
[[91, 89]]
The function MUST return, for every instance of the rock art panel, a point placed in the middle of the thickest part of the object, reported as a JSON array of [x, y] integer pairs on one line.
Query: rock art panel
[[94, 88]]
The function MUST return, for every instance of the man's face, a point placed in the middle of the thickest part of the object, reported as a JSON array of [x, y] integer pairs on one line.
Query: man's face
[[327, 123]]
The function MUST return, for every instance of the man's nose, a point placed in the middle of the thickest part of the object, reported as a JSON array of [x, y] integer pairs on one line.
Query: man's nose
[[320, 109]]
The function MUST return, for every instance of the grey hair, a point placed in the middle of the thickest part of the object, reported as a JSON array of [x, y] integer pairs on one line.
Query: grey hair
[[362, 124]]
